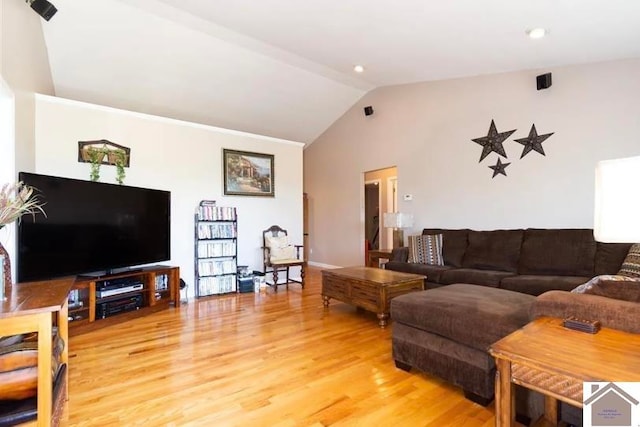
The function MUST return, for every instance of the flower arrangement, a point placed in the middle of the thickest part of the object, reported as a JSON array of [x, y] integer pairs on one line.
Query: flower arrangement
[[16, 200]]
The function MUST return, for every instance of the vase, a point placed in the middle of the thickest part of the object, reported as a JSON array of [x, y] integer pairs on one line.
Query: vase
[[5, 280]]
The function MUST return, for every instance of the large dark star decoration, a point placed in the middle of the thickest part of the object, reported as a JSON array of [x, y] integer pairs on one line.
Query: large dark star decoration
[[493, 141], [533, 141], [499, 168]]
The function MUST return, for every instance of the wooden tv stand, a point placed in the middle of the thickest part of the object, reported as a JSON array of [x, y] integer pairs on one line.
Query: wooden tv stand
[[160, 289]]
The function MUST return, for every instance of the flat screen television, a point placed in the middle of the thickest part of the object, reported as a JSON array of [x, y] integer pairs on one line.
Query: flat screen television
[[91, 228]]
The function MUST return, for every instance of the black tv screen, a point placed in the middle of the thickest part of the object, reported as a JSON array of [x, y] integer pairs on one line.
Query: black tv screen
[[91, 228]]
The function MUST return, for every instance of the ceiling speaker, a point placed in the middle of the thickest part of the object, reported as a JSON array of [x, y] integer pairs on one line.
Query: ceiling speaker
[[543, 81], [43, 8]]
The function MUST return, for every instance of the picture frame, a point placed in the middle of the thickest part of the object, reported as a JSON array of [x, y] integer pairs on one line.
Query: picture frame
[[247, 173]]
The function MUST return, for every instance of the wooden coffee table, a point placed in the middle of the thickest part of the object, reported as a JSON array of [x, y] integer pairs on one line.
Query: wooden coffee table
[[368, 288], [553, 360]]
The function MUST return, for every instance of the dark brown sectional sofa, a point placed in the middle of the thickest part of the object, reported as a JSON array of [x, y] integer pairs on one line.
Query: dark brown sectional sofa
[[530, 261], [496, 282]]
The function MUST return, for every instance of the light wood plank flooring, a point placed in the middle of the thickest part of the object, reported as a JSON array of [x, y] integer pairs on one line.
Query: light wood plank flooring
[[255, 360]]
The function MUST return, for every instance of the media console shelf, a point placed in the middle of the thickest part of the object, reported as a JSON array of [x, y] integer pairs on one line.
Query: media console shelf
[[98, 302]]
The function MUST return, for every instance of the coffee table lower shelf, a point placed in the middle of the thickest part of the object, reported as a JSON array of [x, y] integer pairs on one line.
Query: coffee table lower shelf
[[369, 288]]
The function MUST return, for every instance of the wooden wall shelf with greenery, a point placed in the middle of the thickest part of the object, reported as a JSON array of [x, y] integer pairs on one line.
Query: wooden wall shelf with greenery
[[104, 152]]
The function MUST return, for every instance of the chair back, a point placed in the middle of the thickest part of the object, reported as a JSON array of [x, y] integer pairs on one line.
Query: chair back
[[274, 231]]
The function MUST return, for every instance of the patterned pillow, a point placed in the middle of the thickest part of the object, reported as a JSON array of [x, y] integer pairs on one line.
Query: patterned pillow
[[426, 249], [631, 265], [612, 286]]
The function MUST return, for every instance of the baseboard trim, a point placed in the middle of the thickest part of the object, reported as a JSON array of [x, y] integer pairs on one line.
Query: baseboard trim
[[321, 265]]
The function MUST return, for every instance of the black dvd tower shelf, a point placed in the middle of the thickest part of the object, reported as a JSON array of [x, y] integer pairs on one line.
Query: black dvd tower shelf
[[216, 249]]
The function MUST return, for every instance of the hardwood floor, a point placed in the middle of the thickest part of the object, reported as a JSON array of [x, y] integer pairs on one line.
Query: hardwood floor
[[255, 360]]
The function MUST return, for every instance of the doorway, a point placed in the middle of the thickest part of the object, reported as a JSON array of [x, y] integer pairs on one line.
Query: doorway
[[372, 214], [380, 197]]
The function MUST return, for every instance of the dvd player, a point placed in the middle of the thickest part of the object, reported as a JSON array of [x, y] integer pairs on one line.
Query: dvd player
[[103, 293]]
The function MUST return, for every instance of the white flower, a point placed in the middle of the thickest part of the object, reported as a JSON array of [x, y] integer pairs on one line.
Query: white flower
[[16, 200]]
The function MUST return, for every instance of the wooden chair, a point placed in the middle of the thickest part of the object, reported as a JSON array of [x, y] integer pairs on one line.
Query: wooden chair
[[279, 255]]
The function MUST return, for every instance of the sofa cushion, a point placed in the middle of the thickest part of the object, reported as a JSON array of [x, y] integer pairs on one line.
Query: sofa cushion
[[493, 250], [426, 249], [612, 286], [400, 254], [454, 244], [609, 257], [539, 284], [631, 265], [477, 277], [612, 313], [565, 252], [476, 316], [433, 272]]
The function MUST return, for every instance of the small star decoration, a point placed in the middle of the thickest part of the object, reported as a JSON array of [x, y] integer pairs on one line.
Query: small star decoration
[[533, 141], [499, 168], [493, 141]]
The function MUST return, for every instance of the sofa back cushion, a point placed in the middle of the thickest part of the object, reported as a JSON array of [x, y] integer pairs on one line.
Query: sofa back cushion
[[609, 257], [493, 250], [563, 252], [454, 244]]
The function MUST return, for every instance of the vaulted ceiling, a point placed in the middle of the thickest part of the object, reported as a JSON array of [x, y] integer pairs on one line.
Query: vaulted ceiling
[[284, 68]]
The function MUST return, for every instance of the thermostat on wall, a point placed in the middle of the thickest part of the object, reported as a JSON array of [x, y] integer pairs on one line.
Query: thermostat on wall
[[408, 197]]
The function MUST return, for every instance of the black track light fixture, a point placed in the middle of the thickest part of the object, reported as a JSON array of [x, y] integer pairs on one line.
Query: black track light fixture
[[43, 8]]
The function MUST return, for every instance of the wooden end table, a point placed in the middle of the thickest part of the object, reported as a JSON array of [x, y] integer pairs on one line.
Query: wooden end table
[[29, 308], [375, 255], [553, 360], [368, 288]]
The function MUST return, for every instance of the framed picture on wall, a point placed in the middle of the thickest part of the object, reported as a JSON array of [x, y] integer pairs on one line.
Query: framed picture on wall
[[247, 174]]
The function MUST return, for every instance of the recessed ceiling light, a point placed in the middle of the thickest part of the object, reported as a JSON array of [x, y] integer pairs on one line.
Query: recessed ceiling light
[[358, 69], [537, 33]]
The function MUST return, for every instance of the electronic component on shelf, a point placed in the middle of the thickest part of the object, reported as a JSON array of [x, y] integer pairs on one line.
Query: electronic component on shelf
[[108, 288], [121, 305], [118, 291]]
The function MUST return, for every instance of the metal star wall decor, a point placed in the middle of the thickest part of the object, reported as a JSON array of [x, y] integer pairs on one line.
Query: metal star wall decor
[[493, 141], [533, 141], [499, 168]]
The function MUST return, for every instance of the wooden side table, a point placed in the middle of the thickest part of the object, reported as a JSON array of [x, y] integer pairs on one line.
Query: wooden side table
[[376, 255], [553, 360], [28, 308]]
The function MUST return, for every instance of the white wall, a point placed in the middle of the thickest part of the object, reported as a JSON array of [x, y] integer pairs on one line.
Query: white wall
[[181, 157], [24, 69], [426, 130], [7, 161], [25, 63]]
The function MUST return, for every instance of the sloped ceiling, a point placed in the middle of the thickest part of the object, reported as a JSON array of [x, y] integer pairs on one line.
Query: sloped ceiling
[[284, 68]]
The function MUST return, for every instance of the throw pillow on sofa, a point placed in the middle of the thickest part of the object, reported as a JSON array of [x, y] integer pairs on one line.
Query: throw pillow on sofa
[[631, 265], [426, 249], [612, 286]]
